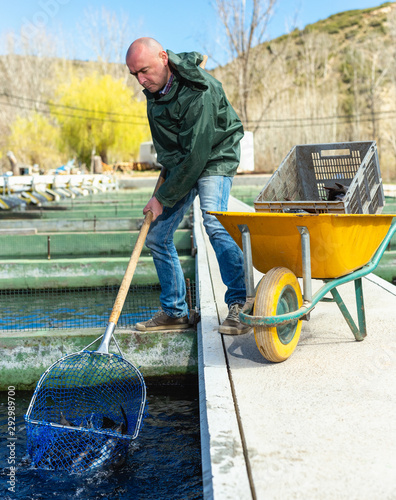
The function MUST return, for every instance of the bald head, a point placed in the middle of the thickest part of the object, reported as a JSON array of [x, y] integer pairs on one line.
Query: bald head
[[144, 43], [148, 62]]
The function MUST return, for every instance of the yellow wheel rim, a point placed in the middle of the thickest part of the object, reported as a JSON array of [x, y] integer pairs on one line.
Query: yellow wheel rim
[[278, 293]]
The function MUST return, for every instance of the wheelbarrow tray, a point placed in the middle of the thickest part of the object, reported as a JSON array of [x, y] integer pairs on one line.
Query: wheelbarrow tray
[[340, 243]]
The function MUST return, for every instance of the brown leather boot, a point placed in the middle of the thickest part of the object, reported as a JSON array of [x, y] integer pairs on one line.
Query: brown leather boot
[[161, 321]]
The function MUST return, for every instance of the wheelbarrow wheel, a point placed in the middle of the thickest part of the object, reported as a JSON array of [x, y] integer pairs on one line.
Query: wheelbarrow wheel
[[278, 293]]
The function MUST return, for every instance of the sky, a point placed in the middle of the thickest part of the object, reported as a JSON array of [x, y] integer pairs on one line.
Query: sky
[[179, 25]]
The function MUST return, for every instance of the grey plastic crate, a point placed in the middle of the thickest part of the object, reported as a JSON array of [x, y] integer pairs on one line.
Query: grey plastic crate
[[300, 180]]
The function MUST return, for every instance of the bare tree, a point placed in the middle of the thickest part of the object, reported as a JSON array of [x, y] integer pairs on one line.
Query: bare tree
[[389, 128], [371, 83], [106, 34], [26, 74], [246, 28]]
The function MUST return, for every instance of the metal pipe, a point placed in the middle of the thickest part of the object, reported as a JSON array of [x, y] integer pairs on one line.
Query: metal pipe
[[306, 262], [188, 289], [247, 259], [360, 308]]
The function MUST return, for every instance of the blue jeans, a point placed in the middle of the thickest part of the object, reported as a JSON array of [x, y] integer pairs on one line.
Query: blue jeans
[[213, 192]]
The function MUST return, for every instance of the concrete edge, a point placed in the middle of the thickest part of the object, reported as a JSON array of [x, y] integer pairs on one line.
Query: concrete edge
[[224, 471], [382, 283]]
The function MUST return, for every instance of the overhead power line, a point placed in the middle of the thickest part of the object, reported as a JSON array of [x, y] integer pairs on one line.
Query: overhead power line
[[324, 121], [66, 106], [80, 117], [311, 119], [264, 123], [74, 108]]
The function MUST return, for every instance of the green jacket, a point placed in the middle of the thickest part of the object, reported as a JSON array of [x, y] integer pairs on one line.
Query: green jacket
[[195, 130]]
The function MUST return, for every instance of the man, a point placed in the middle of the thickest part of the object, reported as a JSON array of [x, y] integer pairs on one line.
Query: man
[[196, 134]]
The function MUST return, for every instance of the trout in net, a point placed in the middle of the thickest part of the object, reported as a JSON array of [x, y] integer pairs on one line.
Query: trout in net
[[85, 411]]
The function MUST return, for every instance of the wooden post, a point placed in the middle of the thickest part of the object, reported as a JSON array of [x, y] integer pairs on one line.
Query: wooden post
[[13, 162], [97, 164]]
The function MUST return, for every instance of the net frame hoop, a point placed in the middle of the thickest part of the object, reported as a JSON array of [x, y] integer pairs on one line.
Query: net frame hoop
[[44, 376], [100, 432]]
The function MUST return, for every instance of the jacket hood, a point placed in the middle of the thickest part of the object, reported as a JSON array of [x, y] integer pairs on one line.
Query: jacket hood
[[186, 67], [186, 64]]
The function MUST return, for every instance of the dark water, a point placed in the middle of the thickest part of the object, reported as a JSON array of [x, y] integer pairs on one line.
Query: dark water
[[164, 461]]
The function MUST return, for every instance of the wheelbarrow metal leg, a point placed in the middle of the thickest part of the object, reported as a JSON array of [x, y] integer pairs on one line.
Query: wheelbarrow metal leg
[[359, 333], [247, 260], [306, 266], [306, 263], [360, 308]]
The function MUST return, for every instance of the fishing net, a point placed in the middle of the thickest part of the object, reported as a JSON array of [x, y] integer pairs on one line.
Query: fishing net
[[85, 411]]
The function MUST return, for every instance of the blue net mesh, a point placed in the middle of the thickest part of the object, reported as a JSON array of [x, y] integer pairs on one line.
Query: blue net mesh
[[85, 411]]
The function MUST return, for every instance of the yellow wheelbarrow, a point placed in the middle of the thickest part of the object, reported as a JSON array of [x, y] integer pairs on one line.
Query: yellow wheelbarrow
[[336, 248]]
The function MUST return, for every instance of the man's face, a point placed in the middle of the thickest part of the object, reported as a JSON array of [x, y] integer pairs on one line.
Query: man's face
[[150, 69]]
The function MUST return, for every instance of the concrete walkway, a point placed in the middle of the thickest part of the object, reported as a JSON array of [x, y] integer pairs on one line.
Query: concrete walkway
[[317, 426]]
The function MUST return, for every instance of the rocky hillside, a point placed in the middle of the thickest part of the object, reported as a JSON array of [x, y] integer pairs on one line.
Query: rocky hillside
[[333, 81]]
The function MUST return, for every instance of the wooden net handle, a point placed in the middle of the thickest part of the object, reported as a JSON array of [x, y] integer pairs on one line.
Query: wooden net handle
[[130, 270]]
